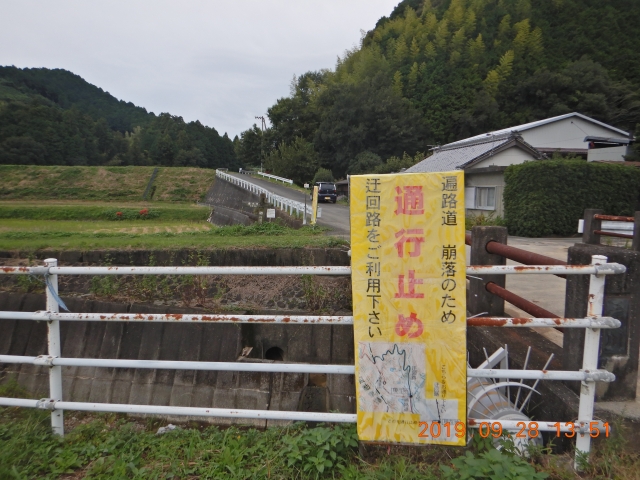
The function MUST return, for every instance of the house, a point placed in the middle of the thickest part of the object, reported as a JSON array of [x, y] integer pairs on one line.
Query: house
[[607, 148], [484, 158], [342, 188]]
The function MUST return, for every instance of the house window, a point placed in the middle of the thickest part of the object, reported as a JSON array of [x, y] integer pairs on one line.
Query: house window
[[486, 198]]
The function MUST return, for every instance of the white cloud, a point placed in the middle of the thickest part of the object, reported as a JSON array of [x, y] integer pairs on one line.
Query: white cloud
[[220, 62]]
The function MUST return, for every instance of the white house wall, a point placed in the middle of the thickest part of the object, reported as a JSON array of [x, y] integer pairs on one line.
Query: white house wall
[[565, 133], [495, 179], [609, 153], [510, 156]]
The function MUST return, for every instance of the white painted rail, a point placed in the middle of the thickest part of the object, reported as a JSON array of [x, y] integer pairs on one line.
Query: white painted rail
[[588, 375], [275, 177], [282, 203]]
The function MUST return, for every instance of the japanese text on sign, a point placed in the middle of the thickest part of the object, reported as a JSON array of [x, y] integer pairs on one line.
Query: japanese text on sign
[[408, 258]]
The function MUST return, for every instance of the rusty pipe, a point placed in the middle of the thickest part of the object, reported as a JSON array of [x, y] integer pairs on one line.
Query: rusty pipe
[[612, 234], [519, 302], [517, 254], [613, 218]]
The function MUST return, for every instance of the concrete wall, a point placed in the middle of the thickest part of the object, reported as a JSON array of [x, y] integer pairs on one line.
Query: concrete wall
[[619, 347], [232, 205], [609, 153], [174, 341], [275, 257]]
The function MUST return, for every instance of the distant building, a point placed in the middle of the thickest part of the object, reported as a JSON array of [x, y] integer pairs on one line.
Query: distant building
[[484, 158], [607, 148]]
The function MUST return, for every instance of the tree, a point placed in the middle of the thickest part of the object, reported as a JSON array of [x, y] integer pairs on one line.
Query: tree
[[296, 161], [366, 117], [365, 162]]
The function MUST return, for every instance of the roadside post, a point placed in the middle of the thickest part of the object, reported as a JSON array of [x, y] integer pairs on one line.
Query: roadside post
[[409, 307], [314, 206], [304, 214]]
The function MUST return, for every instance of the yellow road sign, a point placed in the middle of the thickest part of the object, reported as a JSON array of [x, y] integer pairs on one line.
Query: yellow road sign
[[409, 306]]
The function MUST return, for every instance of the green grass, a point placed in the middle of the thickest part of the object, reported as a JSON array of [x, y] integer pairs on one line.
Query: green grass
[[173, 184], [31, 235], [109, 446], [112, 212]]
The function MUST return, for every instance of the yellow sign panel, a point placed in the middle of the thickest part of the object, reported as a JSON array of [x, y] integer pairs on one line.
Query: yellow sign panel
[[409, 306]]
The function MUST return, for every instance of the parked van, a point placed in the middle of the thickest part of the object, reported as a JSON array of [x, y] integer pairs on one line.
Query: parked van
[[326, 192]]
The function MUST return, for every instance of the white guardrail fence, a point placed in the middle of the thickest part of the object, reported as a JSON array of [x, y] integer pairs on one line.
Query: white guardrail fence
[[286, 204], [275, 177], [584, 427]]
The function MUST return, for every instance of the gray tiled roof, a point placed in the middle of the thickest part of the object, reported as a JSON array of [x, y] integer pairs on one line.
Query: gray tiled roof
[[449, 158]]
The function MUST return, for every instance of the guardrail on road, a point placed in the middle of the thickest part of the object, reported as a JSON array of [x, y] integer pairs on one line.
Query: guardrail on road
[[285, 204]]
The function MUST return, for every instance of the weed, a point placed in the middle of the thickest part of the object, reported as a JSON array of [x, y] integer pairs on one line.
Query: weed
[[482, 219], [490, 464], [104, 286], [320, 298], [319, 449], [29, 284]]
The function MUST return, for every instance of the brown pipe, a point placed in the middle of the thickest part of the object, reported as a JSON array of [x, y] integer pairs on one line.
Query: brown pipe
[[521, 303], [518, 255], [521, 256], [613, 218], [612, 234]]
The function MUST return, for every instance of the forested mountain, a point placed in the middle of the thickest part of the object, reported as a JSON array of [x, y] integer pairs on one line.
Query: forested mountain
[[436, 71], [54, 117]]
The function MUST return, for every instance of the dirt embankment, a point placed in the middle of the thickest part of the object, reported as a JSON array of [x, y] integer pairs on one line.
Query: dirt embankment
[[213, 293]]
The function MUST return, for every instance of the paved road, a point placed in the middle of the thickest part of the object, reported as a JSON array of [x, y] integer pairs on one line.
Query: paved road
[[334, 216]]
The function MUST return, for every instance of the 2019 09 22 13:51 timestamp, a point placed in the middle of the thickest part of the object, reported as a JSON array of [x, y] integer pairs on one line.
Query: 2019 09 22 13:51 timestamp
[[436, 430]]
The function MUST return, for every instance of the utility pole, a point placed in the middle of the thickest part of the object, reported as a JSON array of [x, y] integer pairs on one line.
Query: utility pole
[[264, 125]]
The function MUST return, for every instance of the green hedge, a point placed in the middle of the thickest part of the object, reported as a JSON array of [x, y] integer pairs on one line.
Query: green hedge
[[548, 197]]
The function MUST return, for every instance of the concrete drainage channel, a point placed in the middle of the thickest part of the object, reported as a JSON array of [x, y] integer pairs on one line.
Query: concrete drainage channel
[[171, 341], [248, 343]]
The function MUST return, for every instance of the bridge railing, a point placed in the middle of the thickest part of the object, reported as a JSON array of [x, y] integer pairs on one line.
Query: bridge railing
[[585, 427], [285, 204], [275, 177]]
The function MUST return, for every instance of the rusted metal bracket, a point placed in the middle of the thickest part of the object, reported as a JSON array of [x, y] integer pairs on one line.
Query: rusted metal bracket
[[598, 376], [44, 360], [46, 404]]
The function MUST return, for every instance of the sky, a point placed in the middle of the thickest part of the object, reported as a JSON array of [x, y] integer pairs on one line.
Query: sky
[[222, 62]]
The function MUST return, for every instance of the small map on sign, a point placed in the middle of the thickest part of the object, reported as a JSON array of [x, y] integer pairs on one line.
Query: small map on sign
[[392, 378]]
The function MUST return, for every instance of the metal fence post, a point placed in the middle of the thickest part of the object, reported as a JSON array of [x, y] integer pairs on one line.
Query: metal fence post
[[53, 327], [590, 360], [591, 224]]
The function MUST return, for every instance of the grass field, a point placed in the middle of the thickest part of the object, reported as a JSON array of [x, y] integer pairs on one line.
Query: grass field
[[173, 184], [31, 235], [101, 208], [117, 211]]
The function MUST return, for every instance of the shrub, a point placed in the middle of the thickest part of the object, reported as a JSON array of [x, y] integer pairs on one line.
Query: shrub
[[548, 197]]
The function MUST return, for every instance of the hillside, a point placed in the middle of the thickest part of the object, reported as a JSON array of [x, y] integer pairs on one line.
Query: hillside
[[54, 117], [441, 70], [112, 184]]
